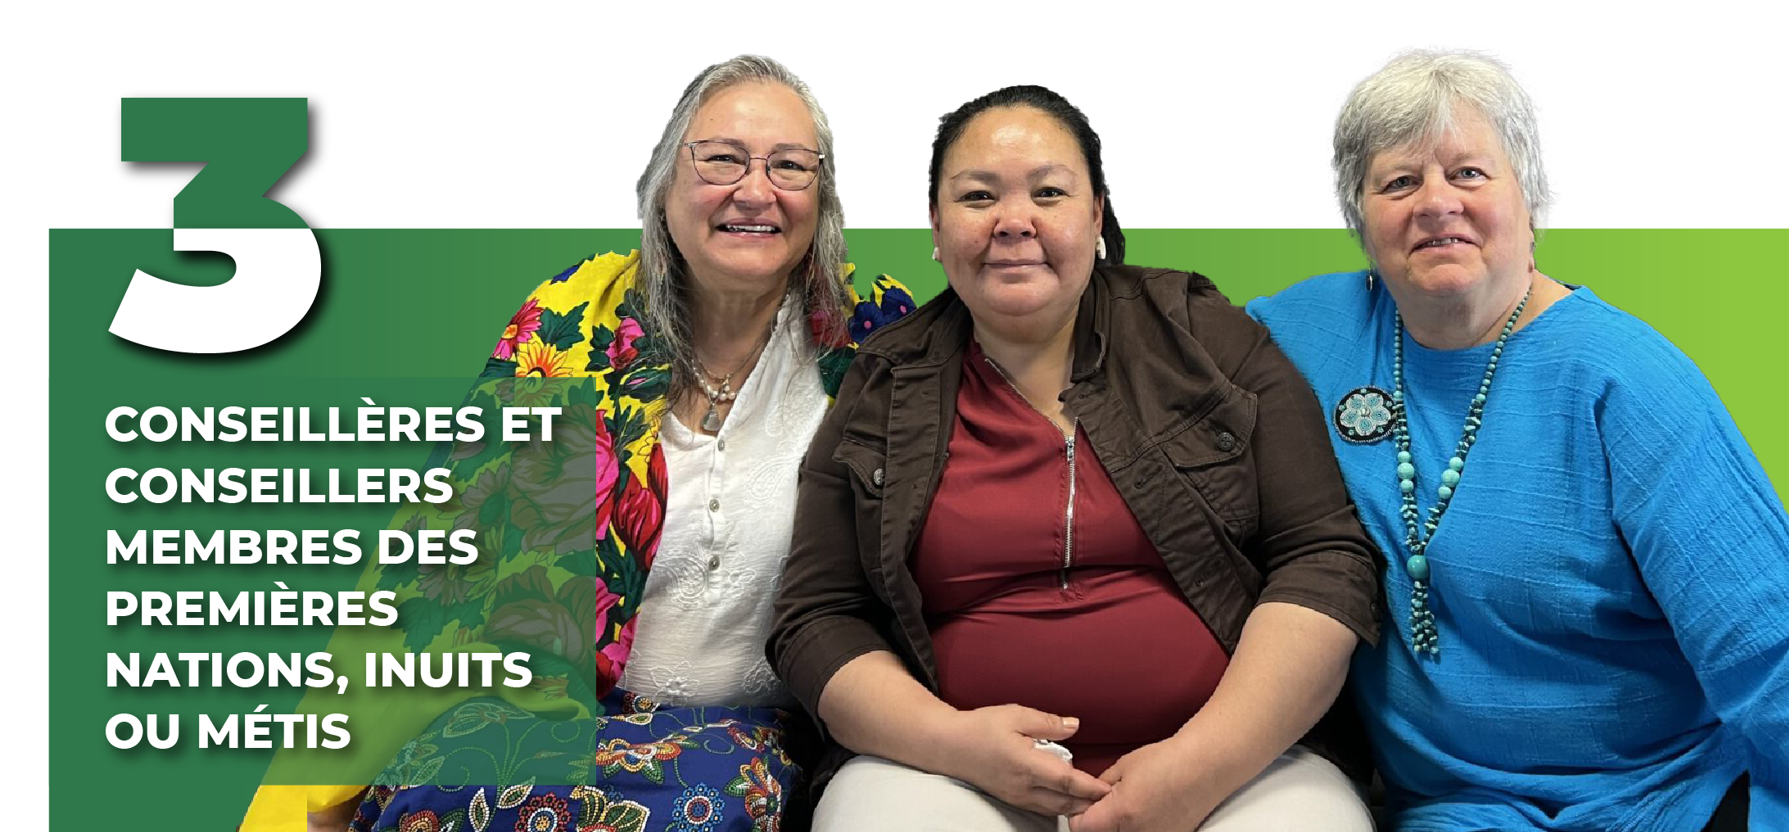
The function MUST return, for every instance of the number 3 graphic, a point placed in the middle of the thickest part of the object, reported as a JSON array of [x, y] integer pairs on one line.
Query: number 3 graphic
[[248, 144]]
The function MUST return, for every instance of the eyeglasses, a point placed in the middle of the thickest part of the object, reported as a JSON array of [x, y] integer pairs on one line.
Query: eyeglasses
[[724, 163]]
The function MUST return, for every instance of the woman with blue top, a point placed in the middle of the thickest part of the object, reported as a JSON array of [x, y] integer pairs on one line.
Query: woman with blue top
[[1588, 596]]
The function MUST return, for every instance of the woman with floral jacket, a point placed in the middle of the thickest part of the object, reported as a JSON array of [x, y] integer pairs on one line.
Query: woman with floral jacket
[[634, 556]]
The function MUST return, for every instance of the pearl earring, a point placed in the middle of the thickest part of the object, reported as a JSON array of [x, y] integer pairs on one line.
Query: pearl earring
[[935, 253], [1099, 248]]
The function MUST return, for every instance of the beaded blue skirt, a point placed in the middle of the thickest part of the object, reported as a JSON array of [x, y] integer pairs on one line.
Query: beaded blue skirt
[[487, 765]]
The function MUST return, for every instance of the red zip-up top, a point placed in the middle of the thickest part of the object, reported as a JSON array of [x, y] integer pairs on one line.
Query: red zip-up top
[[1041, 589]]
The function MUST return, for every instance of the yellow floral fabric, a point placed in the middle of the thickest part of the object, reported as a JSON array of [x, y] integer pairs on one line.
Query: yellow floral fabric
[[566, 529]]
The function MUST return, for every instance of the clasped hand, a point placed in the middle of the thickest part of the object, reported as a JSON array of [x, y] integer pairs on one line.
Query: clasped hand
[[994, 749], [1156, 788]]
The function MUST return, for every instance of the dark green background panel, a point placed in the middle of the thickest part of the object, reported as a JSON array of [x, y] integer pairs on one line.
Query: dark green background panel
[[407, 317]]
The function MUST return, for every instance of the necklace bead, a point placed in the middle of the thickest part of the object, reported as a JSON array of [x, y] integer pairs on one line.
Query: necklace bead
[[717, 396], [1424, 637]]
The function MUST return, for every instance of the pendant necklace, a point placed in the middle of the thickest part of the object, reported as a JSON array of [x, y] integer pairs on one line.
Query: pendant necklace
[[719, 389], [1424, 638]]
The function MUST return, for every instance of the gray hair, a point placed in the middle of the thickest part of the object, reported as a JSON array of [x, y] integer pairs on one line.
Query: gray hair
[[662, 279], [1416, 98]]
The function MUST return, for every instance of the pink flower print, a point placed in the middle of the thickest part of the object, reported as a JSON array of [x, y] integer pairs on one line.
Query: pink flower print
[[639, 512], [607, 472], [828, 330], [604, 600], [621, 350], [613, 656], [521, 328], [623, 644]]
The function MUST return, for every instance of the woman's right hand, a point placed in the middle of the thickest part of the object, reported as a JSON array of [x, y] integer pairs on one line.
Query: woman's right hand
[[994, 749], [873, 705]]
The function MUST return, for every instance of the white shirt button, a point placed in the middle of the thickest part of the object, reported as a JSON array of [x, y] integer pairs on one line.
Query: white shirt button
[[714, 505]]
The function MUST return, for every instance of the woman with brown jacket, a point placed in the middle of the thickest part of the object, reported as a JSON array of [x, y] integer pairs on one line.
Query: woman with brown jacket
[[1071, 487]]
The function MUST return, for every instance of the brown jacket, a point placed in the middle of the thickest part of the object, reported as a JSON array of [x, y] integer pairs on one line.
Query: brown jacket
[[1210, 434]]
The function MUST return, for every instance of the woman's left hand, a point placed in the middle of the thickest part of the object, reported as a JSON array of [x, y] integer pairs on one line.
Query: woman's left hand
[[1161, 787]]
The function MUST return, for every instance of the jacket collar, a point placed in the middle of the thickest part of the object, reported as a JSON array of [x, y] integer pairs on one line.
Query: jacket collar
[[1092, 322]]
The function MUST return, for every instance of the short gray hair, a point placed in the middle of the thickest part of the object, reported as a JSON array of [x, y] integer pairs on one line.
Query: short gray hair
[[1415, 98], [662, 279]]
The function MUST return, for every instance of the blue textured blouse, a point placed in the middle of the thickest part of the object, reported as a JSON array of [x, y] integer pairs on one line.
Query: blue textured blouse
[[1610, 580]]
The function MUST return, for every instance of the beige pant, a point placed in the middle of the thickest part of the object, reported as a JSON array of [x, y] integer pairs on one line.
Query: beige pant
[[1299, 792]]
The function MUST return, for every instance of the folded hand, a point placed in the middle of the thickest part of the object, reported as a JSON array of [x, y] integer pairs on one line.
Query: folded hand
[[994, 749], [1156, 788]]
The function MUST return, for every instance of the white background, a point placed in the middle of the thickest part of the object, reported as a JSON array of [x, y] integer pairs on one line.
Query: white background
[[438, 115]]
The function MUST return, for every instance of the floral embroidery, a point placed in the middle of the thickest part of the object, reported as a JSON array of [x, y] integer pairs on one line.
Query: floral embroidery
[[544, 813], [479, 812], [419, 822], [763, 795], [678, 767], [633, 703], [513, 796], [675, 683], [698, 810], [647, 759], [1364, 415], [475, 715], [416, 762], [754, 740], [381, 795], [604, 810]]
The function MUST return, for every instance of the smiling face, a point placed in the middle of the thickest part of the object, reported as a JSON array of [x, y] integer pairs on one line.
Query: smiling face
[[747, 236], [1016, 219], [1448, 221]]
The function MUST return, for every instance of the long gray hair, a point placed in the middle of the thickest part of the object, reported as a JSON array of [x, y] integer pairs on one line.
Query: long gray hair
[[1416, 98], [663, 280]]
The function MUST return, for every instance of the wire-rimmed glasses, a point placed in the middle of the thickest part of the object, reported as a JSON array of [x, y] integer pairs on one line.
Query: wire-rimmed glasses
[[790, 168]]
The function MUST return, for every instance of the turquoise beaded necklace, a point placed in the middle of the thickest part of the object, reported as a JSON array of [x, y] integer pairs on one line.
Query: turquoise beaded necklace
[[1424, 638]]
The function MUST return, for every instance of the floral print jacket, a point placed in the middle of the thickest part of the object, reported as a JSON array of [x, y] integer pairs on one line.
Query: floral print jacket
[[566, 529], [553, 522]]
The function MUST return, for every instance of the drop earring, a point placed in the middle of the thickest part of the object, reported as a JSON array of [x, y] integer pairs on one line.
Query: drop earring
[[1099, 248], [935, 253]]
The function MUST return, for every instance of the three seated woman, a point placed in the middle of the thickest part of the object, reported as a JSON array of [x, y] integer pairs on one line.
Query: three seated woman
[[1079, 544]]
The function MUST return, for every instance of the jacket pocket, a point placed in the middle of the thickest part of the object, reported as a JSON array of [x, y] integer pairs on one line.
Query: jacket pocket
[[868, 476], [867, 467], [1212, 456]]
